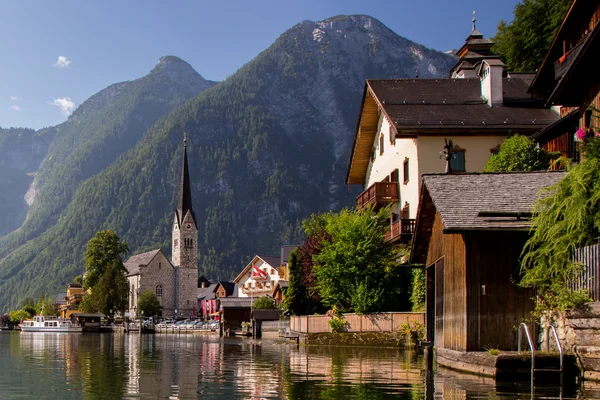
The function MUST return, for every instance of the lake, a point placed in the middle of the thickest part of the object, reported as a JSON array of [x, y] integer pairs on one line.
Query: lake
[[113, 366]]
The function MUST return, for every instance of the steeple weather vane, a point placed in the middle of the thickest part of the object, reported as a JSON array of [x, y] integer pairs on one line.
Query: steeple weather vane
[[184, 138], [473, 19]]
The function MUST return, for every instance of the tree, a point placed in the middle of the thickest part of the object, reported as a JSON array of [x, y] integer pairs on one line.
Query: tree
[[264, 303], [148, 303], [104, 248], [518, 153], [19, 315], [356, 270], [106, 275], [523, 43], [112, 290], [567, 218], [296, 294], [45, 306]]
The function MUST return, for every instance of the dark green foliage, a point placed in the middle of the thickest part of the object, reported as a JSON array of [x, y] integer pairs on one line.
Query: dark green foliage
[[519, 153], [566, 219], [419, 289], [111, 292], [148, 304], [355, 269], [523, 43], [264, 303], [101, 252], [296, 295]]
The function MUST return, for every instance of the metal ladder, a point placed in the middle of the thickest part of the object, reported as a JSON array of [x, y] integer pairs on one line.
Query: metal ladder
[[523, 327]]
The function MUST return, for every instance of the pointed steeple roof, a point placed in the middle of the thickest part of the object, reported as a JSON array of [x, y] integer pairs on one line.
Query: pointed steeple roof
[[185, 191]]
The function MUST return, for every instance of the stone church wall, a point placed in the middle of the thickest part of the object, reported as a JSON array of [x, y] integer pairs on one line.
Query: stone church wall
[[160, 271]]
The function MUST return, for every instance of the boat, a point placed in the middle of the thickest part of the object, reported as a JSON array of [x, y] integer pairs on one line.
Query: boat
[[41, 323]]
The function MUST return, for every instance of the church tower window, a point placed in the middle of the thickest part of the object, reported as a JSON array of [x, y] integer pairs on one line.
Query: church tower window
[[159, 291]]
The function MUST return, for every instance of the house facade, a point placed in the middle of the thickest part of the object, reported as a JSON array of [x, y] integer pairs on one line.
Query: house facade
[[72, 299], [470, 231], [569, 78], [174, 281], [410, 127], [259, 277]]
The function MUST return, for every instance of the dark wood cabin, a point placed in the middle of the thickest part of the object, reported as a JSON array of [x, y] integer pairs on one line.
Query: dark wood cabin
[[469, 234], [569, 77]]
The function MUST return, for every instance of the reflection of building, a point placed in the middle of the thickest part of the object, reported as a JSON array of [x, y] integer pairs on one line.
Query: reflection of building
[[73, 298], [175, 281]]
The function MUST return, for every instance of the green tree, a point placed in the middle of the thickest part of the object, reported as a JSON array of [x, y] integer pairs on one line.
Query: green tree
[[148, 304], [45, 306], [264, 303], [101, 251], [111, 292], [523, 43], [296, 294], [567, 218], [19, 315], [518, 153], [356, 270]]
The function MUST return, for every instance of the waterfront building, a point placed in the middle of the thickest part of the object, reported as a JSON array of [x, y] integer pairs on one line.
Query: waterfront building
[[71, 301], [410, 127], [174, 281]]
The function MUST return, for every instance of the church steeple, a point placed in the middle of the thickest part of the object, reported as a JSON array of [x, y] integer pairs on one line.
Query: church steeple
[[185, 192]]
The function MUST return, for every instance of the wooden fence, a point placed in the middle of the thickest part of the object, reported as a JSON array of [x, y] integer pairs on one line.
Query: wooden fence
[[589, 256], [379, 322]]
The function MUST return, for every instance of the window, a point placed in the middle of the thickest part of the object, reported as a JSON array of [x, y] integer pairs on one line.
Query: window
[[159, 291], [457, 161], [373, 154], [395, 176], [392, 136], [189, 243], [159, 265], [175, 243], [405, 212], [381, 141], [405, 170]]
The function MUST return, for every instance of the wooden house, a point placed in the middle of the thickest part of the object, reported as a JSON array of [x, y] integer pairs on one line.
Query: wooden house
[[569, 77], [405, 124], [469, 234]]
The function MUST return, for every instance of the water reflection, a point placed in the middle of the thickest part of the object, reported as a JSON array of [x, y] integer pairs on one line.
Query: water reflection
[[98, 366]]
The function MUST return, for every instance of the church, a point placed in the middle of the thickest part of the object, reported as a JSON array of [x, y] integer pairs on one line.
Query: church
[[174, 281]]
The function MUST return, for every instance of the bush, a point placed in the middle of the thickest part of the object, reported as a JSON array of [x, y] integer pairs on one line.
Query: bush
[[264, 303]]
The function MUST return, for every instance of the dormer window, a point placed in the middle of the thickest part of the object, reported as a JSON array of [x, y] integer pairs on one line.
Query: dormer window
[[381, 142]]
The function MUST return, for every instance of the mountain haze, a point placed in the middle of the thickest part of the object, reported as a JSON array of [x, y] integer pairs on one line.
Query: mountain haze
[[267, 147]]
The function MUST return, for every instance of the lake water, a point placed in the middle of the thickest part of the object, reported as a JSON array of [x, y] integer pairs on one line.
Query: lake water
[[106, 366]]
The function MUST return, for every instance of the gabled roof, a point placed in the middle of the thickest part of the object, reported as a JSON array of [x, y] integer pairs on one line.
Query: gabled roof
[[134, 263], [440, 107], [460, 198], [568, 123], [229, 287], [286, 250], [208, 293], [60, 298], [272, 261]]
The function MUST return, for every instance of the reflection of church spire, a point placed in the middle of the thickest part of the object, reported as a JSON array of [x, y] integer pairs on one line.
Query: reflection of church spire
[[185, 191]]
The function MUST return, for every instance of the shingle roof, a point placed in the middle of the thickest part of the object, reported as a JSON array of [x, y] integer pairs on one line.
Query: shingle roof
[[208, 293], [237, 302], [437, 103], [459, 198], [134, 262]]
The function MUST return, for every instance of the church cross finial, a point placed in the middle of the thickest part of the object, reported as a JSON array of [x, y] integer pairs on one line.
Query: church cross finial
[[184, 139], [473, 19]]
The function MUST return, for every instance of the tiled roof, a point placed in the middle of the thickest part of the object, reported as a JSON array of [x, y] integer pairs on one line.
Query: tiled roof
[[208, 293], [459, 198], [442, 103], [134, 262]]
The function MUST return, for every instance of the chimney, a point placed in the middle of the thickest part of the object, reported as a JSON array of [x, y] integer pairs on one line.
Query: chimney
[[490, 77], [203, 284]]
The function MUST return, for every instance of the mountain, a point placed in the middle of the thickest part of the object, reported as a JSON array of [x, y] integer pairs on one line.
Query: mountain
[[103, 127], [267, 147]]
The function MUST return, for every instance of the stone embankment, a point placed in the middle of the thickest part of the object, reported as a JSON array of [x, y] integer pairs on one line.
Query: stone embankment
[[579, 334]]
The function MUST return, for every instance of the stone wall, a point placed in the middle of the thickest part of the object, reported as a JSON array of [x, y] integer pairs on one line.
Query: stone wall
[[579, 334]]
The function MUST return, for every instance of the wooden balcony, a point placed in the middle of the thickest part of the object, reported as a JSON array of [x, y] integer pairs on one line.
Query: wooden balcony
[[378, 194], [400, 230]]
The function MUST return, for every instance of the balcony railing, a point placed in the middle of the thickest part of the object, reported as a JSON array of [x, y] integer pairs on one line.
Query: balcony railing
[[562, 64], [379, 193], [403, 229]]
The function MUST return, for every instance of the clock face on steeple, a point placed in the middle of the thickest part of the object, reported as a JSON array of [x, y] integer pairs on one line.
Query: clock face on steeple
[[189, 226]]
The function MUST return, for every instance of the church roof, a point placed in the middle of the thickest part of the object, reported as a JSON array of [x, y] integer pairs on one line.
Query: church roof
[[134, 263], [185, 191]]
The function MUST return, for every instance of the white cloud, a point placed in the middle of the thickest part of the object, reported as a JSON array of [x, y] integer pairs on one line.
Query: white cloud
[[65, 104], [15, 108], [15, 98], [62, 62]]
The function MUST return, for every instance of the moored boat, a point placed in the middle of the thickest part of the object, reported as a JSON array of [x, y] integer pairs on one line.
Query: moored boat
[[41, 323]]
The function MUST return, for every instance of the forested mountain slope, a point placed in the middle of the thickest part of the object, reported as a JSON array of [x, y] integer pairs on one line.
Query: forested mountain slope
[[267, 147]]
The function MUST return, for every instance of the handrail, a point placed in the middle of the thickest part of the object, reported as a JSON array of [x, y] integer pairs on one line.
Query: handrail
[[531, 346], [560, 351]]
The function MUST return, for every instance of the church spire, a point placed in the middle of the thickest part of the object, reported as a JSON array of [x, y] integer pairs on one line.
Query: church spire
[[185, 191]]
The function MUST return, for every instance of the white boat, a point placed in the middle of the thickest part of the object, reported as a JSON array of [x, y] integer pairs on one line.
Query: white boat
[[41, 323]]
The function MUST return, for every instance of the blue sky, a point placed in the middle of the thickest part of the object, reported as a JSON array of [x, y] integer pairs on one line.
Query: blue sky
[[56, 54]]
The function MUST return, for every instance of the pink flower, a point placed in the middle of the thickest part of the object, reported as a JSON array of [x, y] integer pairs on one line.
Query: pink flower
[[597, 134], [580, 134]]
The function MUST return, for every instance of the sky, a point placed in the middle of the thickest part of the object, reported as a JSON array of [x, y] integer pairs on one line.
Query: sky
[[56, 54]]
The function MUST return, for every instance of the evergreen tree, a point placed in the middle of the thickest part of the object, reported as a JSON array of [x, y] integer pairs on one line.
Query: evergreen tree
[[523, 43], [296, 294]]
